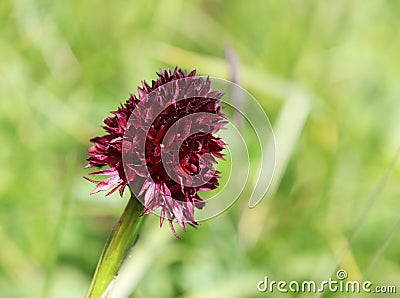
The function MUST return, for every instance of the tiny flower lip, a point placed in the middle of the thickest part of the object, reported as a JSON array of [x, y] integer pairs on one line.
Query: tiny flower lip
[[142, 130]]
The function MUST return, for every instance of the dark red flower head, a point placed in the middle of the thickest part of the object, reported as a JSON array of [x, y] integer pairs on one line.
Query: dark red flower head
[[163, 144]]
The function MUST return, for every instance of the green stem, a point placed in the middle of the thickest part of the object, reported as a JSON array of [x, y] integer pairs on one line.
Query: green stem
[[118, 243]]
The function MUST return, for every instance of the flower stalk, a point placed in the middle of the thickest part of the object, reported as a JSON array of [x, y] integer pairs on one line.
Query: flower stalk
[[120, 240]]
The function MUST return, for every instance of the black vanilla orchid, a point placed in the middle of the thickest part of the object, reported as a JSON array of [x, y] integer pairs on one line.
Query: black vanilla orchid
[[174, 96]]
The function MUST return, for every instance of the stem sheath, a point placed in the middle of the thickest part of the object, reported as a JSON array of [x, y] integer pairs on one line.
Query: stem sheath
[[118, 243]]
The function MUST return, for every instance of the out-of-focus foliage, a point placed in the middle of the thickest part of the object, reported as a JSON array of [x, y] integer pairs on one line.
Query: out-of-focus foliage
[[65, 64]]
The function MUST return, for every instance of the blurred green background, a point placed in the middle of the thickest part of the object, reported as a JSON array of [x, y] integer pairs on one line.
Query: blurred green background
[[326, 73]]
